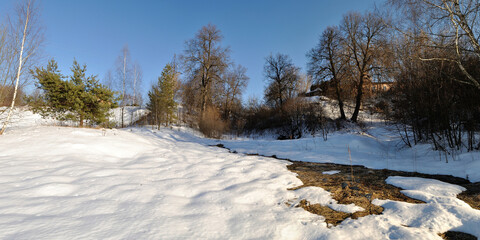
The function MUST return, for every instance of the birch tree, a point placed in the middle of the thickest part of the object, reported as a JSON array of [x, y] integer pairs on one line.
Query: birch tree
[[123, 77], [137, 82], [26, 39], [108, 80]]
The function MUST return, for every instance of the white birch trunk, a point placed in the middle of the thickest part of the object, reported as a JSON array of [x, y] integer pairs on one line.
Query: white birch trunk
[[134, 84], [124, 81], [20, 63]]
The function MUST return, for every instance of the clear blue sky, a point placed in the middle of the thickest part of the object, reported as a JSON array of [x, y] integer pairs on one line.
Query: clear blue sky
[[94, 31]]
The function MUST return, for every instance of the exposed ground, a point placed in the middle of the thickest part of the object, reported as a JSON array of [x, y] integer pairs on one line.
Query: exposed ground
[[452, 235], [360, 185], [368, 184]]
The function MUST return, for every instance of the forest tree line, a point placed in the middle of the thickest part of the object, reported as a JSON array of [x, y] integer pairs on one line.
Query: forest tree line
[[426, 51]]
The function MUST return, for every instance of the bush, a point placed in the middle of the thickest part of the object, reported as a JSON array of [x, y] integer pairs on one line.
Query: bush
[[296, 117], [211, 124], [6, 95], [431, 105]]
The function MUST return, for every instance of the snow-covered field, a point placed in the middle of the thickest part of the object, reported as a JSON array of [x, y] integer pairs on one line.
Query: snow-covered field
[[71, 183]]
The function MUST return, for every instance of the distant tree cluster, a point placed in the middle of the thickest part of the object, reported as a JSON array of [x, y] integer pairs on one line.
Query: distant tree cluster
[[211, 92], [415, 61], [427, 50], [437, 92]]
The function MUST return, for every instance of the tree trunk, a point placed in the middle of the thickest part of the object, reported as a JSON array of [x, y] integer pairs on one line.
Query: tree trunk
[[358, 99], [124, 82], [340, 101], [122, 116], [204, 98], [134, 101], [342, 111], [81, 121], [20, 63]]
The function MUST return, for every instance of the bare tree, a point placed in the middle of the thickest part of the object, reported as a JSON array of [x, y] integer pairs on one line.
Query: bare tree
[[108, 80], [435, 97], [363, 37], [282, 77], [234, 81], [204, 61], [449, 24], [328, 62], [27, 37], [6, 63], [137, 82]]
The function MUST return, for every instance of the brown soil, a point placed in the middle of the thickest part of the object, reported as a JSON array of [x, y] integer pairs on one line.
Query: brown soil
[[472, 195], [452, 235]]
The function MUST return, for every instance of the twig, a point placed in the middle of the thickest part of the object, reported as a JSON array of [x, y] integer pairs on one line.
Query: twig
[[351, 164]]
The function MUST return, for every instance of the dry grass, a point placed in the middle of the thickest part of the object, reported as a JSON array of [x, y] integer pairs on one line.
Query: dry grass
[[367, 185], [472, 195], [332, 217], [371, 183]]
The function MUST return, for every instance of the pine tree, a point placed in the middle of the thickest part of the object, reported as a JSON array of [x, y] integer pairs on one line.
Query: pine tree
[[54, 102], [167, 83], [162, 104], [153, 105], [79, 99]]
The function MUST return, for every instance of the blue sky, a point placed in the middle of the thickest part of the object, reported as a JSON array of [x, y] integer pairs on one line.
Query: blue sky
[[94, 31]]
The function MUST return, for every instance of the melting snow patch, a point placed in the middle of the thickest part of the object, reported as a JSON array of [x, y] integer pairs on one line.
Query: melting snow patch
[[331, 172], [442, 210]]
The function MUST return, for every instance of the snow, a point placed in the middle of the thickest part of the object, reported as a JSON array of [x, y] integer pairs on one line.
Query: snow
[[441, 212], [331, 109], [136, 183], [22, 117], [331, 172], [131, 114], [60, 182], [379, 148]]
